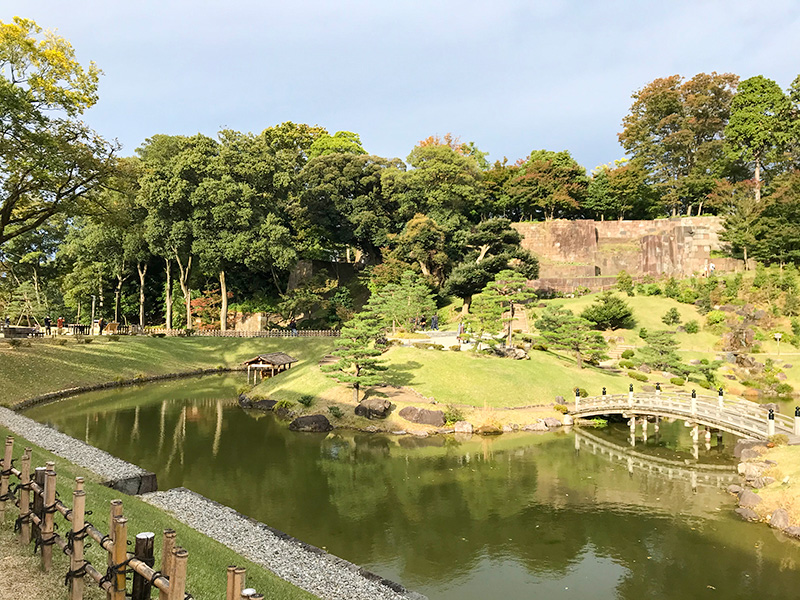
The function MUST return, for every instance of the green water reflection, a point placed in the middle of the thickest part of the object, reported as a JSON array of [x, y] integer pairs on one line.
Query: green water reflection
[[516, 516]]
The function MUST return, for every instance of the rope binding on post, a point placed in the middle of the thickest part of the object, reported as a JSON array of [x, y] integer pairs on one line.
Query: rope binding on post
[[76, 573]]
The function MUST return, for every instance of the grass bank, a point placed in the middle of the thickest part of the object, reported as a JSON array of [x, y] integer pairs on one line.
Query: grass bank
[[208, 559], [46, 366]]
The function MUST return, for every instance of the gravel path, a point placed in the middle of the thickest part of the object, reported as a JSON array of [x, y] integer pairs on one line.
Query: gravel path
[[305, 566], [99, 461]]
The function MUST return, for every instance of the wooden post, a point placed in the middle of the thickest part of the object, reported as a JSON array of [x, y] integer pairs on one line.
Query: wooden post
[[229, 589], [120, 554], [166, 560], [76, 560], [177, 583], [238, 582], [115, 510], [38, 501], [6, 475], [143, 550], [25, 498], [48, 529]]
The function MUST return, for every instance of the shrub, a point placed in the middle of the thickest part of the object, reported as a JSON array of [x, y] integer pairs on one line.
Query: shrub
[[638, 376], [671, 317], [583, 393], [82, 339], [421, 345], [627, 364], [113, 338], [306, 400], [649, 289], [692, 326], [541, 346], [336, 411], [688, 296], [715, 317], [437, 346], [784, 388], [456, 348], [60, 341], [749, 383], [778, 439], [671, 288], [609, 312], [643, 333], [677, 381], [286, 404], [14, 342], [628, 354], [625, 283], [562, 408], [452, 414], [705, 384], [242, 389]]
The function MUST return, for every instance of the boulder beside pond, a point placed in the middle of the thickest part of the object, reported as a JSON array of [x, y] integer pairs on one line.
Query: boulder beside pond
[[374, 408], [423, 416], [311, 423], [462, 427]]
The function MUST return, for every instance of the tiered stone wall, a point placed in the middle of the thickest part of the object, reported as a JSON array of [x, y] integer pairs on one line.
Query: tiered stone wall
[[585, 253]]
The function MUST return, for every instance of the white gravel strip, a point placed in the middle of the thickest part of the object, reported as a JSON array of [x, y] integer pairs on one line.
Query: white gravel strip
[[99, 461], [305, 566]]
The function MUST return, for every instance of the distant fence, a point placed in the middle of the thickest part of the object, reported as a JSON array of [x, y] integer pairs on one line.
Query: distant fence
[[269, 333], [35, 497]]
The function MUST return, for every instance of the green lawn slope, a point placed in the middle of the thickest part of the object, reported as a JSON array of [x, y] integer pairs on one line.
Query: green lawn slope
[[45, 366]]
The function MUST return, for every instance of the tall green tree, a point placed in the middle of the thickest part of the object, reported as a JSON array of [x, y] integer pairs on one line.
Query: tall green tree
[[675, 130], [50, 161], [609, 311], [547, 185], [562, 330], [398, 303], [359, 361], [341, 142], [758, 128], [661, 353], [511, 290]]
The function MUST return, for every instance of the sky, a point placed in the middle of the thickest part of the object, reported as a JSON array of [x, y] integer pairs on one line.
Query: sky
[[510, 75]]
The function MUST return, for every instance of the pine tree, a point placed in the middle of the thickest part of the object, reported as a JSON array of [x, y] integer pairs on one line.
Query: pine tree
[[358, 354], [563, 330], [398, 303]]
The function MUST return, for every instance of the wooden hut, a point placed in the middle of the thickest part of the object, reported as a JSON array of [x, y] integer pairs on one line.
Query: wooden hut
[[272, 364]]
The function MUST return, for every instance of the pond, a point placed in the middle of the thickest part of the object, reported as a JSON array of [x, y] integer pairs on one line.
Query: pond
[[554, 515]]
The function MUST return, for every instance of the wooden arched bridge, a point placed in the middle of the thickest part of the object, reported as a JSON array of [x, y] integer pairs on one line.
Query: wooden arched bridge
[[739, 417]]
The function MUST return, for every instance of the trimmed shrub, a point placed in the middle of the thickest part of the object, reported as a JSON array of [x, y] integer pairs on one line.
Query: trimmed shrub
[[562, 408], [688, 296], [784, 388], [113, 338], [715, 317], [677, 381], [643, 333], [336, 411], [306, 400], [627, 364], [692, 326], [628, 354], [583, 393], [437, 346], [704, 384], [638, 376], [14, 342], [456, 348]]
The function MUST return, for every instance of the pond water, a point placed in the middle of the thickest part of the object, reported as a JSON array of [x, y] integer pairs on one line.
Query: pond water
[[513, 516]]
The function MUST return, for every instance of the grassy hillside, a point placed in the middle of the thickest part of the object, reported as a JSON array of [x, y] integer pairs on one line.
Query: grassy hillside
[[46, 367]]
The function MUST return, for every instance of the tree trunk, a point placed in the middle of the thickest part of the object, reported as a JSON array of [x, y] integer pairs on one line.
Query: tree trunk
[[424, 268], [142, 272], [183, 280], [277, 283], [758, 180], [579, 358], [746, 268], [465, 306], [168, 299], [484, 249], [117, 294], [223, 309]]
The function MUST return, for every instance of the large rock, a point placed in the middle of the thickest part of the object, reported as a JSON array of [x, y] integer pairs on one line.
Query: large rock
[[552, 422], [748, 514], [423, 416], [374, 408], [793, 531], [751, 470], [313, 423], [538, 426], [741, 445], [462, 427], [749, 499], [515, 353], [760, 482], [750, 454], [645, 369], [734, 489], [779, 519]]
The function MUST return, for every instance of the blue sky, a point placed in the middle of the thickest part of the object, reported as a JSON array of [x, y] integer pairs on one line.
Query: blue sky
[[511, 76]]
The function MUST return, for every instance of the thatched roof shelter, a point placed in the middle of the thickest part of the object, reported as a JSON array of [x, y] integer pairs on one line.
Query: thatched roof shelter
[[274, 362]]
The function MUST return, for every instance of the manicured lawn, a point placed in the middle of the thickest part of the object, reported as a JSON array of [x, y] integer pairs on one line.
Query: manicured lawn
[[462, 378], [208, 559], [46, 367]]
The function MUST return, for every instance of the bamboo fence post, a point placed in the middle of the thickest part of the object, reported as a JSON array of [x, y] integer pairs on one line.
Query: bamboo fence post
[[6, 474], [229, 590], [120, 555], [238, 582], [38, 501], [143, 550], [166, 560], [177, 583], [48, 528], [115, 510], [25, 498], [76, 584]]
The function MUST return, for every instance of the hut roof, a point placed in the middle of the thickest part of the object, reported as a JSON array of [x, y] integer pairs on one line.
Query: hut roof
[[273, 358]]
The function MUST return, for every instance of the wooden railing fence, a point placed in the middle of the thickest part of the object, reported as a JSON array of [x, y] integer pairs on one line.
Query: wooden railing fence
[[37, 503], [268, 333]]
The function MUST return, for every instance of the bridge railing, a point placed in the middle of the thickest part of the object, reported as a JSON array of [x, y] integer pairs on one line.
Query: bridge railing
[[740, 416]]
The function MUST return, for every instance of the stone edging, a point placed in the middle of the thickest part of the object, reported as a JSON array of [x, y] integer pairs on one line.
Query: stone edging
[[320, 573], [52, 396]]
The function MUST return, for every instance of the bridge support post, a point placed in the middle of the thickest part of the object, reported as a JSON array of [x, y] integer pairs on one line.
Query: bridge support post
[[797, 420], [656, 425], [771, 423], [644, 429], [707, 435], [720, 400], [577, 398], [694, 403], [630, 395]]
